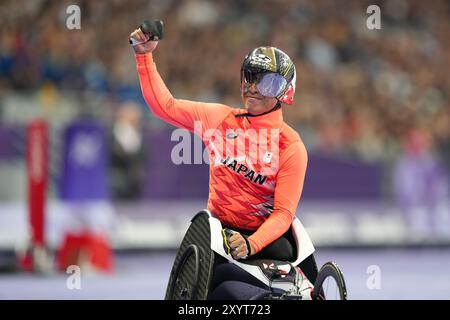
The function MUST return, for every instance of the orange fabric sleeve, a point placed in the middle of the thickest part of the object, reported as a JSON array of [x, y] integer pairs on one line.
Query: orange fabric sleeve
[[180, 113], [288, 191]]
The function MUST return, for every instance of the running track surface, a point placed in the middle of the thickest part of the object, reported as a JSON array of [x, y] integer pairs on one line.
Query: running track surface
[[404, 274]]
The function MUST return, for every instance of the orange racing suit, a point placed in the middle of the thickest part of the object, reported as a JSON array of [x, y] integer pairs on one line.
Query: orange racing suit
[[256, 180]]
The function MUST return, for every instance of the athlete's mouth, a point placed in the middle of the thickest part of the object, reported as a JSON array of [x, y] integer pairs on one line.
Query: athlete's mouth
[[253, 96]]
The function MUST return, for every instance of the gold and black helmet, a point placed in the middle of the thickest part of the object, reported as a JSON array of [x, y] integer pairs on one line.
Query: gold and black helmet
[[272, 71]]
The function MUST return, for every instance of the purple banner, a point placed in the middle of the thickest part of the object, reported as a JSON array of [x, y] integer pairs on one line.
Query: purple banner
[[164, 179], [332, 177], [85, 164], [12, 141]]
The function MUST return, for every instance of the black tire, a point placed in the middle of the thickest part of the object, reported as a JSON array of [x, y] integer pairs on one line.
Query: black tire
[[192, 269], [329, 270], [185, 282]]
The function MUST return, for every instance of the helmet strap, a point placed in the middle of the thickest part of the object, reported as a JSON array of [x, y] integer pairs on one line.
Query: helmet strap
[[275, 108]]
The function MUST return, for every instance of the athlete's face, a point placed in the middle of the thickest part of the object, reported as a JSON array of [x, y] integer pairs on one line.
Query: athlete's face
[[255, 103]]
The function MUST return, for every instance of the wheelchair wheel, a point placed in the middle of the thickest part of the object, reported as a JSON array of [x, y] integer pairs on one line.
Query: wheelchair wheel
[[330, 283], [193, 266], [185, 282]]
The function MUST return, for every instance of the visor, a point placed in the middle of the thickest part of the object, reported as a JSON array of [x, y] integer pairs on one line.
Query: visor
[[269, 84]]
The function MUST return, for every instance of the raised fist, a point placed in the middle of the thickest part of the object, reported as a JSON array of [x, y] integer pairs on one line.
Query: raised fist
[[145, 38], [145, 45]]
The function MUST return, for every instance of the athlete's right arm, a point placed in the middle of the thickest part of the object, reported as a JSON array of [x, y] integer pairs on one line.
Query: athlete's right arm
[[180, 113]]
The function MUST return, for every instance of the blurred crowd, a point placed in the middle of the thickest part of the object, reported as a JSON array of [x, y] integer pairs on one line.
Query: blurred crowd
[[367, 93]]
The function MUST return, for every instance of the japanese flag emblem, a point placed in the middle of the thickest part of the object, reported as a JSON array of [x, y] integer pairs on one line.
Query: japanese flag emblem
[[268, 157]]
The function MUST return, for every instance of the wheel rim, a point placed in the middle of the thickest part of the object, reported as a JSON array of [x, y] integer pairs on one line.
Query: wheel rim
[[330, 290], [330, 283]]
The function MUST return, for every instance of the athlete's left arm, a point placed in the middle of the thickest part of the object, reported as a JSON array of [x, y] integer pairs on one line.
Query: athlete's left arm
[[288, 190]]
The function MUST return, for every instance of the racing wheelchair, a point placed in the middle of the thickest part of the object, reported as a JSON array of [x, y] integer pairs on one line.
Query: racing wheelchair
[[206, 242]]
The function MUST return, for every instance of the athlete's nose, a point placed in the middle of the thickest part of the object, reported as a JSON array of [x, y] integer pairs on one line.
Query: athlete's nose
[[253, 89]]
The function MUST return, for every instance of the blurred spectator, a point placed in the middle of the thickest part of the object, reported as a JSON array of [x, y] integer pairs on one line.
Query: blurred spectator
[[127, 152], [422, 189]]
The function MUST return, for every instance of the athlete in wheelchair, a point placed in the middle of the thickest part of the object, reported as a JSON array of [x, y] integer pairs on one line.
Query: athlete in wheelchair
[[248, 243], [204, 267]]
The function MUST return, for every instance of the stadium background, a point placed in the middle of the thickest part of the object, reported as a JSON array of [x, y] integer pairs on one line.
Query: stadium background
[[372, 107]]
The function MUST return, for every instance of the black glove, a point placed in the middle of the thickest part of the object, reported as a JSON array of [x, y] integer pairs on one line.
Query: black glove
[[154, 28]]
